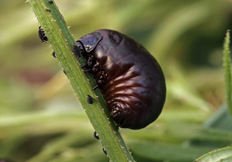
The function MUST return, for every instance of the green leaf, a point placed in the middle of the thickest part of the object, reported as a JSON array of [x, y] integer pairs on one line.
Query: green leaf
[[220, 120], [167, 152], [227, 70], [220, 155]]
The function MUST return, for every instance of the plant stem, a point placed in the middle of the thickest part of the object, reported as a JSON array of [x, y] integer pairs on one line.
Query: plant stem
[[62, 42]]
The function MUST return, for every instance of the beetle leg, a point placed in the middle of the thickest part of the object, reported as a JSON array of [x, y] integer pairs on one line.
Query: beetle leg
[[100, 81], [85, 65], [117, 115], [86, 71], [90, 61], [95, 87], [95, 68]]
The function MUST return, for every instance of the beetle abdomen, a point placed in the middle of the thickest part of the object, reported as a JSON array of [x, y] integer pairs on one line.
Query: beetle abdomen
[[130, 79]]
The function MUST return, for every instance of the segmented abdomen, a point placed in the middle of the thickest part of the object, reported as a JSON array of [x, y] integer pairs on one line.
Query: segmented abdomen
[[134, 84]]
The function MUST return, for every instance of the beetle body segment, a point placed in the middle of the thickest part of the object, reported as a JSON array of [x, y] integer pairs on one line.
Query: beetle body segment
[[130, 79]]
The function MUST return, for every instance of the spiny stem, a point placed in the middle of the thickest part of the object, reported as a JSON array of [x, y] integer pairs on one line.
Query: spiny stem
[[63, 43]]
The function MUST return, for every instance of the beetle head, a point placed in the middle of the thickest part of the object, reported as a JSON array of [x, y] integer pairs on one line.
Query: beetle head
[[89, 42]]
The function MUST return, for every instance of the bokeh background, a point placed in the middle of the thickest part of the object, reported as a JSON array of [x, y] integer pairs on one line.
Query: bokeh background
[[41, 120]]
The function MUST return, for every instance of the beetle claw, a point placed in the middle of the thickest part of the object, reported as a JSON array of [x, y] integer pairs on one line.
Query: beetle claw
[[83, 66], [86, 71], [95, 87]]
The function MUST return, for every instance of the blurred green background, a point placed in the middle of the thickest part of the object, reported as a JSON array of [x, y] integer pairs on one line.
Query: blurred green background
[[42, 121]]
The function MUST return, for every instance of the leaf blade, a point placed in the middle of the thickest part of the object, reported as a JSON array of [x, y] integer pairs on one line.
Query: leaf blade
[[227, 71]]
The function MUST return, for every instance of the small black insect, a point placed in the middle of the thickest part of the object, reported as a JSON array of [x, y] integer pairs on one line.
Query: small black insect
[[129, 77], [54, 54], [96, 135], [89, 99], [42, 35], [50, 2], [104, 150]]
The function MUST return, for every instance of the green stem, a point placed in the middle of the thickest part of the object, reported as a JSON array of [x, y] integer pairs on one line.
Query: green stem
[[62, 42]]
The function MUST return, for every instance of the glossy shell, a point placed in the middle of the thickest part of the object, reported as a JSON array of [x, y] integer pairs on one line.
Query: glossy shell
[[130, 79]]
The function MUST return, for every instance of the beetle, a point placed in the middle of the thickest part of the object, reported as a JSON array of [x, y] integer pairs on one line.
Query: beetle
[[129, 77]]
